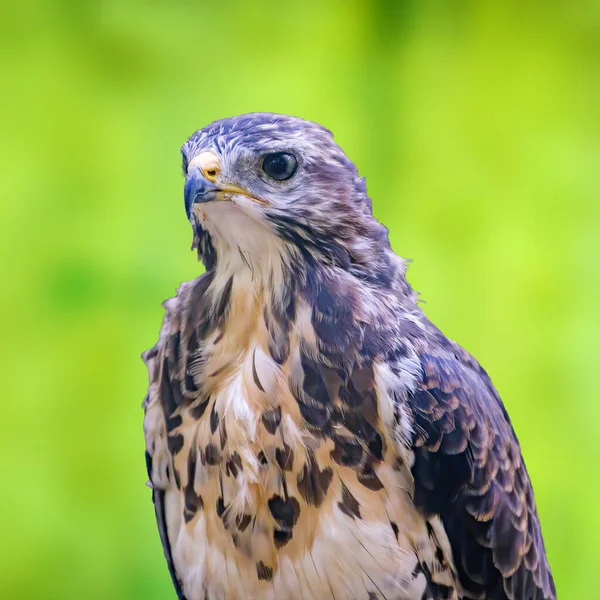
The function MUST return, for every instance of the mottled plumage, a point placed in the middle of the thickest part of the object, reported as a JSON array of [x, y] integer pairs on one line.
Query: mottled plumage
[[310, 434]]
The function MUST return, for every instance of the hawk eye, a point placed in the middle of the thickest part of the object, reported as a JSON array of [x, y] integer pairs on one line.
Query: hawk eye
[[279, 165]]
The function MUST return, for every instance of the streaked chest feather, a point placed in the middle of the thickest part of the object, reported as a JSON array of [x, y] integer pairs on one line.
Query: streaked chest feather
[[284, 482]]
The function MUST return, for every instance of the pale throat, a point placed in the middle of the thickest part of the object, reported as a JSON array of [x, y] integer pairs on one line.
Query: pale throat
[[247, 249]]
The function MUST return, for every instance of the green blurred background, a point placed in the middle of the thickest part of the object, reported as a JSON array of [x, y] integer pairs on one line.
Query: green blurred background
[[476, 124]]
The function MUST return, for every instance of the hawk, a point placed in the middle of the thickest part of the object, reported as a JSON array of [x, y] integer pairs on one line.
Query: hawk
[[309, 433]]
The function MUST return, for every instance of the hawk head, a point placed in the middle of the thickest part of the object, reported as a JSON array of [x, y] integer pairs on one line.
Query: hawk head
[[262, 184]]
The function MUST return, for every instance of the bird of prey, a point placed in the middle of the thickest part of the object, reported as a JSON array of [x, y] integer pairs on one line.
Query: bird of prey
[[310, 435]]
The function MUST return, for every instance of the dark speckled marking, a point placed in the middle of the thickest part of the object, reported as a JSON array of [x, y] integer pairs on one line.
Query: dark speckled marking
[[285, 512], [264, 573], [376, 446], [369, 479], [281, 537], [359, 423], [243, 521], [346, 453], [214, 419], [354, 392], [212, 455], [175, 443], [349, 504], [280, 352], [255, 374], [271, 419], [223, 303], [285, 457], [236, 541], [199, 409], [314, 483], [167, 392], [234, 465], [173, 422], [316, 417], [277, 324], [192, 501], [313, 385], [223, 436]]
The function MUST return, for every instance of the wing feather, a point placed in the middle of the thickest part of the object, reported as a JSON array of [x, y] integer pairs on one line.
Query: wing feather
[[158, 498], [171, 367], [469, 470]]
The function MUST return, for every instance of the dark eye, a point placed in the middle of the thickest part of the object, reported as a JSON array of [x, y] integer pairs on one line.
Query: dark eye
[[279, 165]]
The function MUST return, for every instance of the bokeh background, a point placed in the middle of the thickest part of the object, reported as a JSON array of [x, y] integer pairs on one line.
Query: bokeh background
[[476, 124]]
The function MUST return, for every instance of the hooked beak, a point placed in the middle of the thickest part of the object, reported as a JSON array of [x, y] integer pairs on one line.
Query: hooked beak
[[198, 189]]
